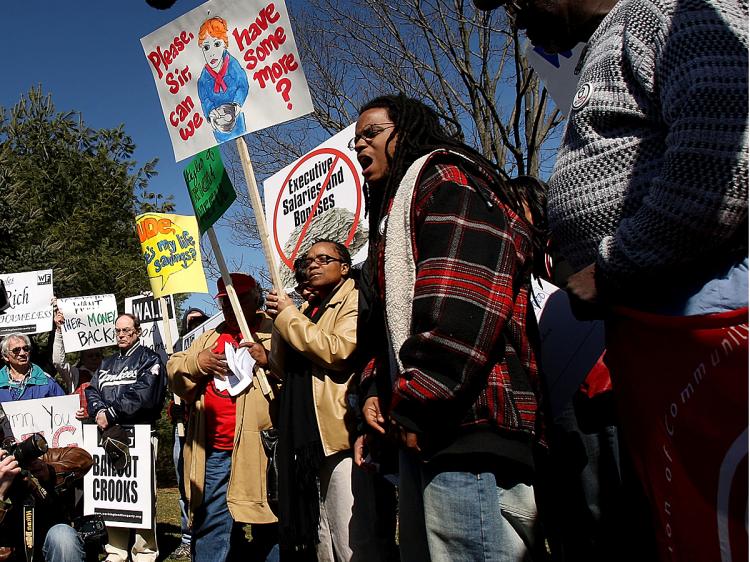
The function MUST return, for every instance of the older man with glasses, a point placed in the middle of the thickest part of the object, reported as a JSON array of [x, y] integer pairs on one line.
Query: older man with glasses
[[20, 379], [129, 388]]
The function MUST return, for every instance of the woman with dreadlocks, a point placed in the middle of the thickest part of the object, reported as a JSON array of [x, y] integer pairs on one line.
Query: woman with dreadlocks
[[454, 378]]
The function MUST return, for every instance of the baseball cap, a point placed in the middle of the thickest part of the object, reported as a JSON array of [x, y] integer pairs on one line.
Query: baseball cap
[[241, 282]]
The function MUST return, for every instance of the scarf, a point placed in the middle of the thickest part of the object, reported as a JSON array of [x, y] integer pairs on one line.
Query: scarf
[[300, 451], [219, 84]]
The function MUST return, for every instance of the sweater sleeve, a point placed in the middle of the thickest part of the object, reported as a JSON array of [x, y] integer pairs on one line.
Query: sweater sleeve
[[64, 368], [696, 202]]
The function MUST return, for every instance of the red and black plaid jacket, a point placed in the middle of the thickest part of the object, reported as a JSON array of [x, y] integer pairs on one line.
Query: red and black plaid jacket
[[467, 363]]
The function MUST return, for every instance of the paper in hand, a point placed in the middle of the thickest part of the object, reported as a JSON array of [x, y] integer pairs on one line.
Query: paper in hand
[[240, 374]]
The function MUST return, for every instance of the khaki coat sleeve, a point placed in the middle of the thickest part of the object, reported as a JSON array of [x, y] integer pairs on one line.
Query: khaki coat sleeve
[[183, 371], [328, 344]]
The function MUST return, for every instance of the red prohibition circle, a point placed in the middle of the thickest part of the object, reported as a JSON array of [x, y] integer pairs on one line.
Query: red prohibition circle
[[338, 155]]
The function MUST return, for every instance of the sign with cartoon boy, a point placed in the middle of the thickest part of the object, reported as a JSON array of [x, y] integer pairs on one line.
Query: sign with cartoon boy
[[225, 69]]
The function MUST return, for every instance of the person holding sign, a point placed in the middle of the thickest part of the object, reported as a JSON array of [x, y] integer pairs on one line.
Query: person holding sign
[[222, 85], [129, 388], [88, 363], [326, 504], [224, 463], [453, 380], [20, 379]]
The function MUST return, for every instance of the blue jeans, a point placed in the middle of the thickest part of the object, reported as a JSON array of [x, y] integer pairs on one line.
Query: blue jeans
[[179, 443], [216, 537], [464, 516], [62, 544]]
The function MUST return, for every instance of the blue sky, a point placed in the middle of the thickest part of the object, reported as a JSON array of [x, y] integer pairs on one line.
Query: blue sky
[[88, 55]]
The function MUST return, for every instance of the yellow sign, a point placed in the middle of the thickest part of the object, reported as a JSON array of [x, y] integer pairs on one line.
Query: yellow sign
[[171, 250]]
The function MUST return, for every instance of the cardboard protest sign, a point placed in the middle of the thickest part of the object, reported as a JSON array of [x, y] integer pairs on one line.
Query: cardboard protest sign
[[318, 196], [89, 321], [30, 296], [171, 250], [570, 347], [209, 187], [55, 418], [557, 72], [187, 340], [122, 497], [226, 69], [148, 311]]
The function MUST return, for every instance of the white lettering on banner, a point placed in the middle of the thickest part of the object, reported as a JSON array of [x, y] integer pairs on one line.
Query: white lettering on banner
[[686, 394]]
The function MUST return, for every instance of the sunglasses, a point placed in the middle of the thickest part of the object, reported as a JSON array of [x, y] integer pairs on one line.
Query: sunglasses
[[18, 350]]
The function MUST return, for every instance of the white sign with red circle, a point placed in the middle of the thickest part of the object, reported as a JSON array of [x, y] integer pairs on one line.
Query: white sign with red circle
[[317, 196]]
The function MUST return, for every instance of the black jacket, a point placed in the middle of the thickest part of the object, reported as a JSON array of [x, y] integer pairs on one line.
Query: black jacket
[[129, 386]]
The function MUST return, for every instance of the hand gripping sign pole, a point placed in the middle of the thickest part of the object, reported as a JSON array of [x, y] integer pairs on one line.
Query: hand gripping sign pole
[[260, 219], [170, 350], [235, 302]]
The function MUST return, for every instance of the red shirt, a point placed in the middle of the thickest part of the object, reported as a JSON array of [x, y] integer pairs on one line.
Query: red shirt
[[220, 407]]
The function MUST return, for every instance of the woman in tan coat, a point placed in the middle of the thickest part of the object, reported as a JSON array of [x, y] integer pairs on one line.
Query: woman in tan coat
[[325, 503]]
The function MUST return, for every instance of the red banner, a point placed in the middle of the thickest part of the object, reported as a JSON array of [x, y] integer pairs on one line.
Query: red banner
[[681, 385]]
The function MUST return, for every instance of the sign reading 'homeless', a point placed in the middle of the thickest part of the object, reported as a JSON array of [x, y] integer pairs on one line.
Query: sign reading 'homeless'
[[29, 296]]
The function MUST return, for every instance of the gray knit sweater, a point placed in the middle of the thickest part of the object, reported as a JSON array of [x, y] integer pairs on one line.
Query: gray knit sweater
[[651, 179]]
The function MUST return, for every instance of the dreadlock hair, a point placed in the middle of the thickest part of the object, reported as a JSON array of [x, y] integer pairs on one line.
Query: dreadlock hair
[[417, 132], [533, 193]]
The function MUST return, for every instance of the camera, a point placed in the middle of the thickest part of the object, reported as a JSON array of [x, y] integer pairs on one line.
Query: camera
[[28, 450]]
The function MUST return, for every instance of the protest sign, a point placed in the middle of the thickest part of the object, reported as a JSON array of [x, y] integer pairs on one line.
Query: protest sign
[[318, 196], [225, 69], [55, 418], [29, 296], [187, 340], [148, 311], [89, 321], [209, 187], [570, 347], [171, 250], [122, 497], [558, 72]]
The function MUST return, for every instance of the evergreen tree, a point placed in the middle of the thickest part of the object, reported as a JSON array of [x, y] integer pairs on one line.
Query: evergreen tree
[[68, 199]]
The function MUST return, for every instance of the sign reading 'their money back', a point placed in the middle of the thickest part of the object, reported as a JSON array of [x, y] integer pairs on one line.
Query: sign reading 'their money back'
[[89, 321]]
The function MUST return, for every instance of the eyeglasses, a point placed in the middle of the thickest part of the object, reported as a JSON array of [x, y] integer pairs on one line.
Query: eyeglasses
[[369, 133], [17, 350], [126, 331], [320, 259]]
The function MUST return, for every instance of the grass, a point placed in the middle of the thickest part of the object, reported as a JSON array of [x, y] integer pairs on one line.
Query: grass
[[168, 533]]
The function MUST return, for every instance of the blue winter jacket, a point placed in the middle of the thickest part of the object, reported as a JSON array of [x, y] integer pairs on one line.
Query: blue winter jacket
[[38, 385], [130, 387]]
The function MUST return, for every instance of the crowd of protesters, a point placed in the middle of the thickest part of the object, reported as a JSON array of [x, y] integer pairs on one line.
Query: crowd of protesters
[[406, 413]]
